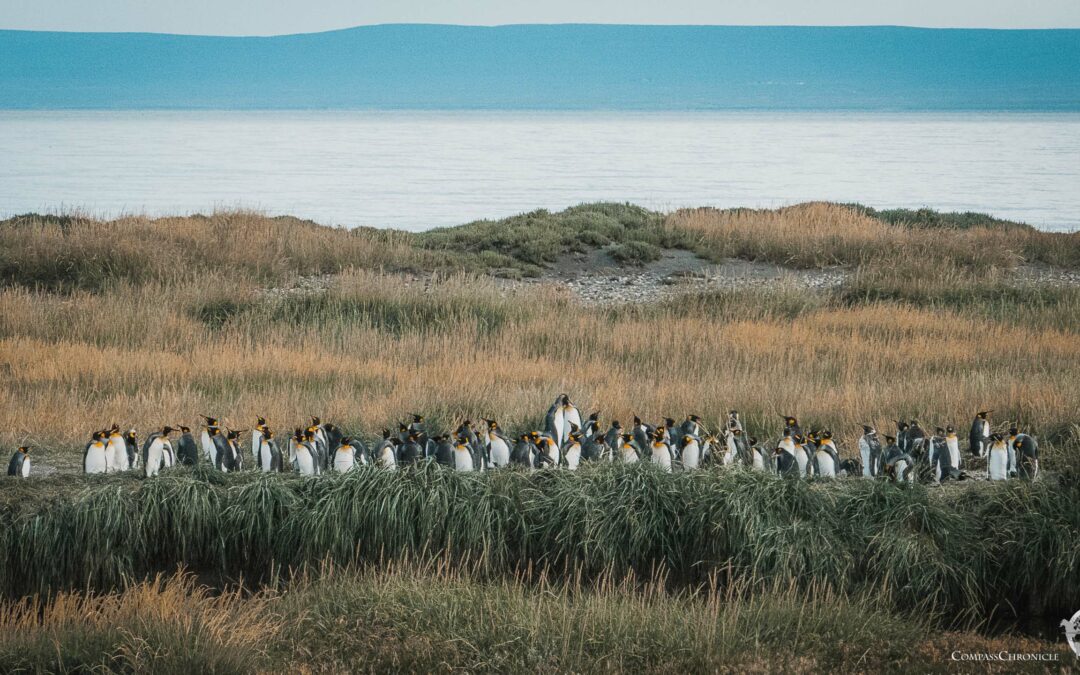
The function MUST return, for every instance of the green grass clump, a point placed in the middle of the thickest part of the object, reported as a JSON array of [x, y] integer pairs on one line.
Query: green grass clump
[[636, 253], [968, 550]]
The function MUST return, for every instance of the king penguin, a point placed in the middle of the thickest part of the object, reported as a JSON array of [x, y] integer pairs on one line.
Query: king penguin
[[733, 421], [131, 442], [19, 466], [1026, 449], [257, 438], [444, 451], [267, 455], [611, 438], [661, 450], [979, 438], [952, 444], [118, 450], [784, 459], [691, 452], [386, 452], [596, 449], [305, 461], [206, 439], [897, 464], [826, 458], [642, 433], [760, 461], [410, 452], [524, 452], [464, 459], [498, 445], [571, 450], [628, 452], [997, 462], [344, 455], [96, 455], [870, 452], [154, 451], [802, 457]]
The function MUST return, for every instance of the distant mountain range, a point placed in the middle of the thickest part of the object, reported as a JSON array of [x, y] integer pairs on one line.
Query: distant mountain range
[[556, 67]]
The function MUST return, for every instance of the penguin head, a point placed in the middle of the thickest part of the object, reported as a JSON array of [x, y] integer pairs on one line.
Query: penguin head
[[752, 441], [982, 414], [687, 439], [1013, 431], [950, 431], [269, 434], [595, 417], [564, 399], [166, 430], [214, 431], [130, 435], [626, 438], [534, 435], [736, 432], [826, 435], [260, 421], [467, 424], [868, 430], [939, 431], [210, 421], [733, 414], [693, 418], [24, 449], [417, 419], [790, 421], [114, 429], [184, 430], [615, 424], [402, 427], [315, 421], [890, 440], [385, 434], [492, 424], [901, 425], [637, 421], [669, 422]]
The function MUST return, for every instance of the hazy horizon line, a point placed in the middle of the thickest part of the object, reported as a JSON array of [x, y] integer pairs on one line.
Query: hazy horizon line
[[545, 24]]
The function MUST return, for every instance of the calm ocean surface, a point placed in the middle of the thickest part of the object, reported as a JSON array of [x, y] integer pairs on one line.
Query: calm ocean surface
[[416, 170]]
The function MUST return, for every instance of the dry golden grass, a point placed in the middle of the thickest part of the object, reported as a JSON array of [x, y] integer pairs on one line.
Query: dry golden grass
[[818, 234], [375, 347], [161, 625]]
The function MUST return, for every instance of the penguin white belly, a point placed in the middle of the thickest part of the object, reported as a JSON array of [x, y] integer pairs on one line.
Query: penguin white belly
[[759, 460], [266, 457], [305, 464], [209, 452], [825, 465], [560, 426], [902, 468], [573, 457], [26, 467], [629, 455], [118, 451], [499, 451], [463, 460], [97, 459], [571, 416], [954, 451], [691, 457], [256, 445], [661, 456], [729, 452], [344, 460], [997, 466], [802, 459], [864, 455], [153, 457]]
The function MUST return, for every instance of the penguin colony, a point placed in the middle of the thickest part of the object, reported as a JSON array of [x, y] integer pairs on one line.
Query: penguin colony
[[566, 441]]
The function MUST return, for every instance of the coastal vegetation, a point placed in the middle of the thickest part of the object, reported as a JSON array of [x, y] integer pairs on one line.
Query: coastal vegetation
[[146, 322]]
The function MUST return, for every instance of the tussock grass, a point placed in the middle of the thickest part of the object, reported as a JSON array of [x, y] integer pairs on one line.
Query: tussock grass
[[970, 552]]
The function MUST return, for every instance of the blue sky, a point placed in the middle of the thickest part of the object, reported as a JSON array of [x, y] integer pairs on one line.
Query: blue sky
[[271, 17]]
